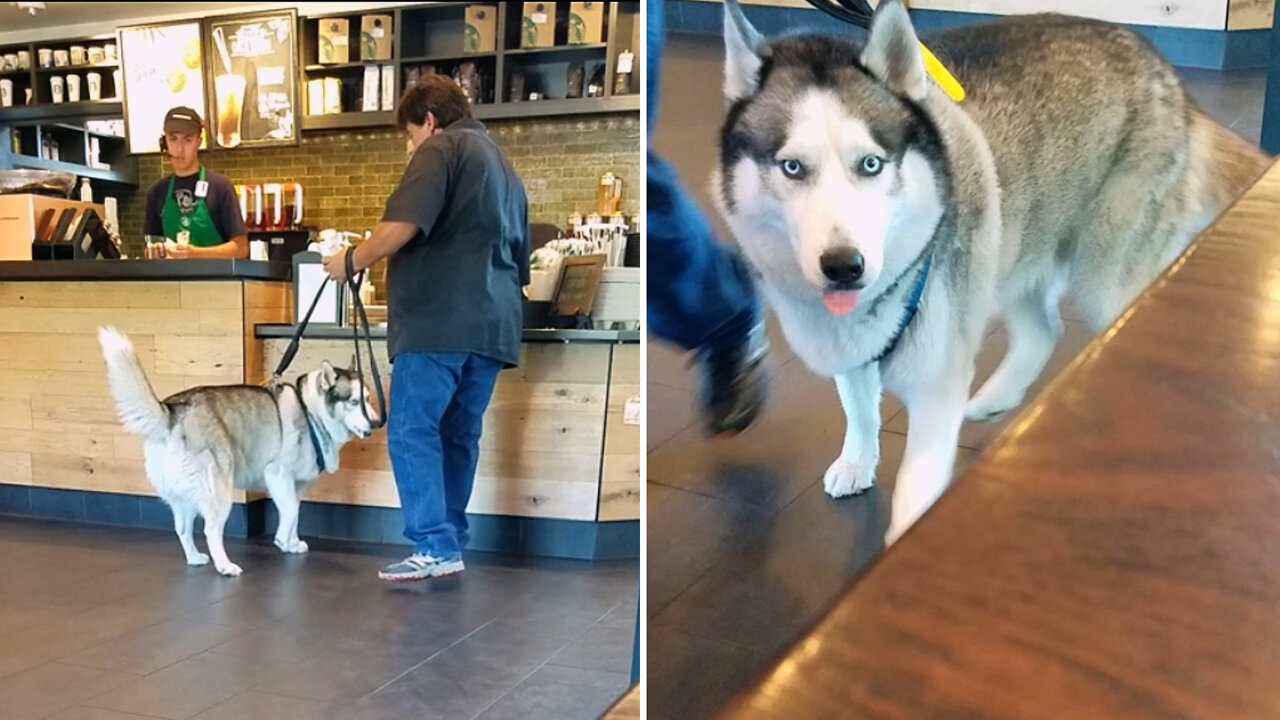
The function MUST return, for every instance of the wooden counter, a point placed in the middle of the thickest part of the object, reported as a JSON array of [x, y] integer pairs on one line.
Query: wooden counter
[[554, 444], [59, 428], [560, 471], [1116, 554]]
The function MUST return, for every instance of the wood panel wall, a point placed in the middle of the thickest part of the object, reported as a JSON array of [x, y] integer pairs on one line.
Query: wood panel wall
[[620, 477], [59, 424], [1250, 14], [544, 437]]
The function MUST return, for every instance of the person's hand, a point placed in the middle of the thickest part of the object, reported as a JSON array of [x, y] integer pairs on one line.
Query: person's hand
[[336, 266], [176, 251]]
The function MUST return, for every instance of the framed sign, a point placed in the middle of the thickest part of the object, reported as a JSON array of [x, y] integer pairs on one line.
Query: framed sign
[[162, 67], [253, 78], [579, 279]]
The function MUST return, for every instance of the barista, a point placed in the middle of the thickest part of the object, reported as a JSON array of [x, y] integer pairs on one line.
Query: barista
[[194, 204]]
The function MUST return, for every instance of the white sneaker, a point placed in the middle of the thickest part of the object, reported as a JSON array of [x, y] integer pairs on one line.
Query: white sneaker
[[420, 567]]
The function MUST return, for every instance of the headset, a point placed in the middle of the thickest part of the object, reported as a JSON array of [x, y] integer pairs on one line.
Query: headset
[[164, 144]]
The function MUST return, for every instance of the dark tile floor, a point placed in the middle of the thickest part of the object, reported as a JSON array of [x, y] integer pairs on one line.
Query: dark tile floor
[[745, 551], [101, 623]]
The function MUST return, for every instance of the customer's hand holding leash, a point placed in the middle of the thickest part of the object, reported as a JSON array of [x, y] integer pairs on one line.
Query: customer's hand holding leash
[[336, 265]]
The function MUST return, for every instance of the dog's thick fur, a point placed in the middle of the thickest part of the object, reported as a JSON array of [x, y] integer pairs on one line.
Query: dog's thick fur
[[201, 443], [1077, 162]]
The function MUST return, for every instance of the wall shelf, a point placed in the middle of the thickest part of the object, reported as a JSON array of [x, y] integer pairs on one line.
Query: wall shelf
[[345, 121], [126, 176], [431, 34], [87, 109]]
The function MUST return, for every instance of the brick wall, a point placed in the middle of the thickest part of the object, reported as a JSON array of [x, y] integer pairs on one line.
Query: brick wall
[[347, 175]]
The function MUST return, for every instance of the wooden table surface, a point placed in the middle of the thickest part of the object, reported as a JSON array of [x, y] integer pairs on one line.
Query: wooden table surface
[[627, 707], [1116, 554]]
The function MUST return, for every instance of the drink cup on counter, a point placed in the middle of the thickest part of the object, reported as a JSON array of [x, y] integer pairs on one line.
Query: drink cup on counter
[[96, 55], [258, 250], [61, 58], [6, 93], [24, 60], [110, 51], [94, 81], [154, 247], [73, 88], [55, 84], [78, 55], [11, 61], [45, 55]]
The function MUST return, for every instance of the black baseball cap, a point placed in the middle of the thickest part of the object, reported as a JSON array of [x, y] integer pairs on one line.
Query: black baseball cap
[[183, 120]]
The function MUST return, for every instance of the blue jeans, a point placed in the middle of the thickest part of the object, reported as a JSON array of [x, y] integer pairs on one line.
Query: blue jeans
[[700, 293], [437, 410]]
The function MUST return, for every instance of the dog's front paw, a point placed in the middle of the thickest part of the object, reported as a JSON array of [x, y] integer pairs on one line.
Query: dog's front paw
[[845, 478], [296, 547], [198, 560], [230, 570]]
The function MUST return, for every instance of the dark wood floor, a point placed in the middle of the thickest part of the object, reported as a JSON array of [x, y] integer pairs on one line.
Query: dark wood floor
[[101, 623]]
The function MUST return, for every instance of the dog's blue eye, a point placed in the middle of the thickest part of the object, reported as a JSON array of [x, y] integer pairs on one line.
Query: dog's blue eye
[[793, 169], [871, 165]]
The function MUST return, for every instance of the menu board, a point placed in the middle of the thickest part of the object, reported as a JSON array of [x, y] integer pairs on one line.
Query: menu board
[[253, 79], [162, 67]]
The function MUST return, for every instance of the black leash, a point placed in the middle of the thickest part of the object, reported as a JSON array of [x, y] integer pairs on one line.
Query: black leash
[[353, 285], [856, 12]]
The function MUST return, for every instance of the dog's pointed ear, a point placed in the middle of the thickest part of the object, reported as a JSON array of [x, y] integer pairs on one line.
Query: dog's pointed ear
[[328, 376], [744, 48], [893, 52]]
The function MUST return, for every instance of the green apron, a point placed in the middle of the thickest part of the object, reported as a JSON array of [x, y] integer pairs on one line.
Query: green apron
[[198, 222]]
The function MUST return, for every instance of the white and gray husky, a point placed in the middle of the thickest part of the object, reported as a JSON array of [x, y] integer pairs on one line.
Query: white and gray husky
[[855, 186], [201, 443]]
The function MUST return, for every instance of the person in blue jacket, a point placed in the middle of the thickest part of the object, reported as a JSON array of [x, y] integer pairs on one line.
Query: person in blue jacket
[[700, 293]]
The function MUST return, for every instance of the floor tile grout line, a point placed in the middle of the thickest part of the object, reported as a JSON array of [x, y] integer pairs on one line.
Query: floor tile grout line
[[674, 435], [118, 712], [428, 659], [522, 681], [704, 573], [243, 632]]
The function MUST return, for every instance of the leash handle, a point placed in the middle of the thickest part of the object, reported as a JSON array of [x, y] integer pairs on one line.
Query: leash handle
[[353, 282]]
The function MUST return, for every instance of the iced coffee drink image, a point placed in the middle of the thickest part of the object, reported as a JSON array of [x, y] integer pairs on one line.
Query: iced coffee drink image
[[229, 91]]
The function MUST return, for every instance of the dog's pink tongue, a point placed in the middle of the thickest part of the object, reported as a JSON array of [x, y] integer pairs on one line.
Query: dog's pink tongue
[[841, 303]]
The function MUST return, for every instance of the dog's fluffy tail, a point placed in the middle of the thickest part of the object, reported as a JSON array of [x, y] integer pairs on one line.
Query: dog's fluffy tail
[[140, 412], [1228, 164]]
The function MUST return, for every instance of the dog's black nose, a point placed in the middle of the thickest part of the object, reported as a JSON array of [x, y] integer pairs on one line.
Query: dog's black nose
[[843, 266]]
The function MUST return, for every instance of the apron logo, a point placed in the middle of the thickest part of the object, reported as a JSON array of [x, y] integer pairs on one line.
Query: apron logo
[[186, 201]]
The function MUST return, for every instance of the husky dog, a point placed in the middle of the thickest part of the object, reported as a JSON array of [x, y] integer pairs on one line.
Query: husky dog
[[859, 190], [203, 442]]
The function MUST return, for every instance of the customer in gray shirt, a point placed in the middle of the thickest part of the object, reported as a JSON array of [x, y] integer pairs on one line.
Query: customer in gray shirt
[[456, 232]]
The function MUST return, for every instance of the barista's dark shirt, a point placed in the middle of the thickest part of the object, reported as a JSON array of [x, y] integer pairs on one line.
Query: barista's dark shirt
[[223, 205], [456, 285]]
